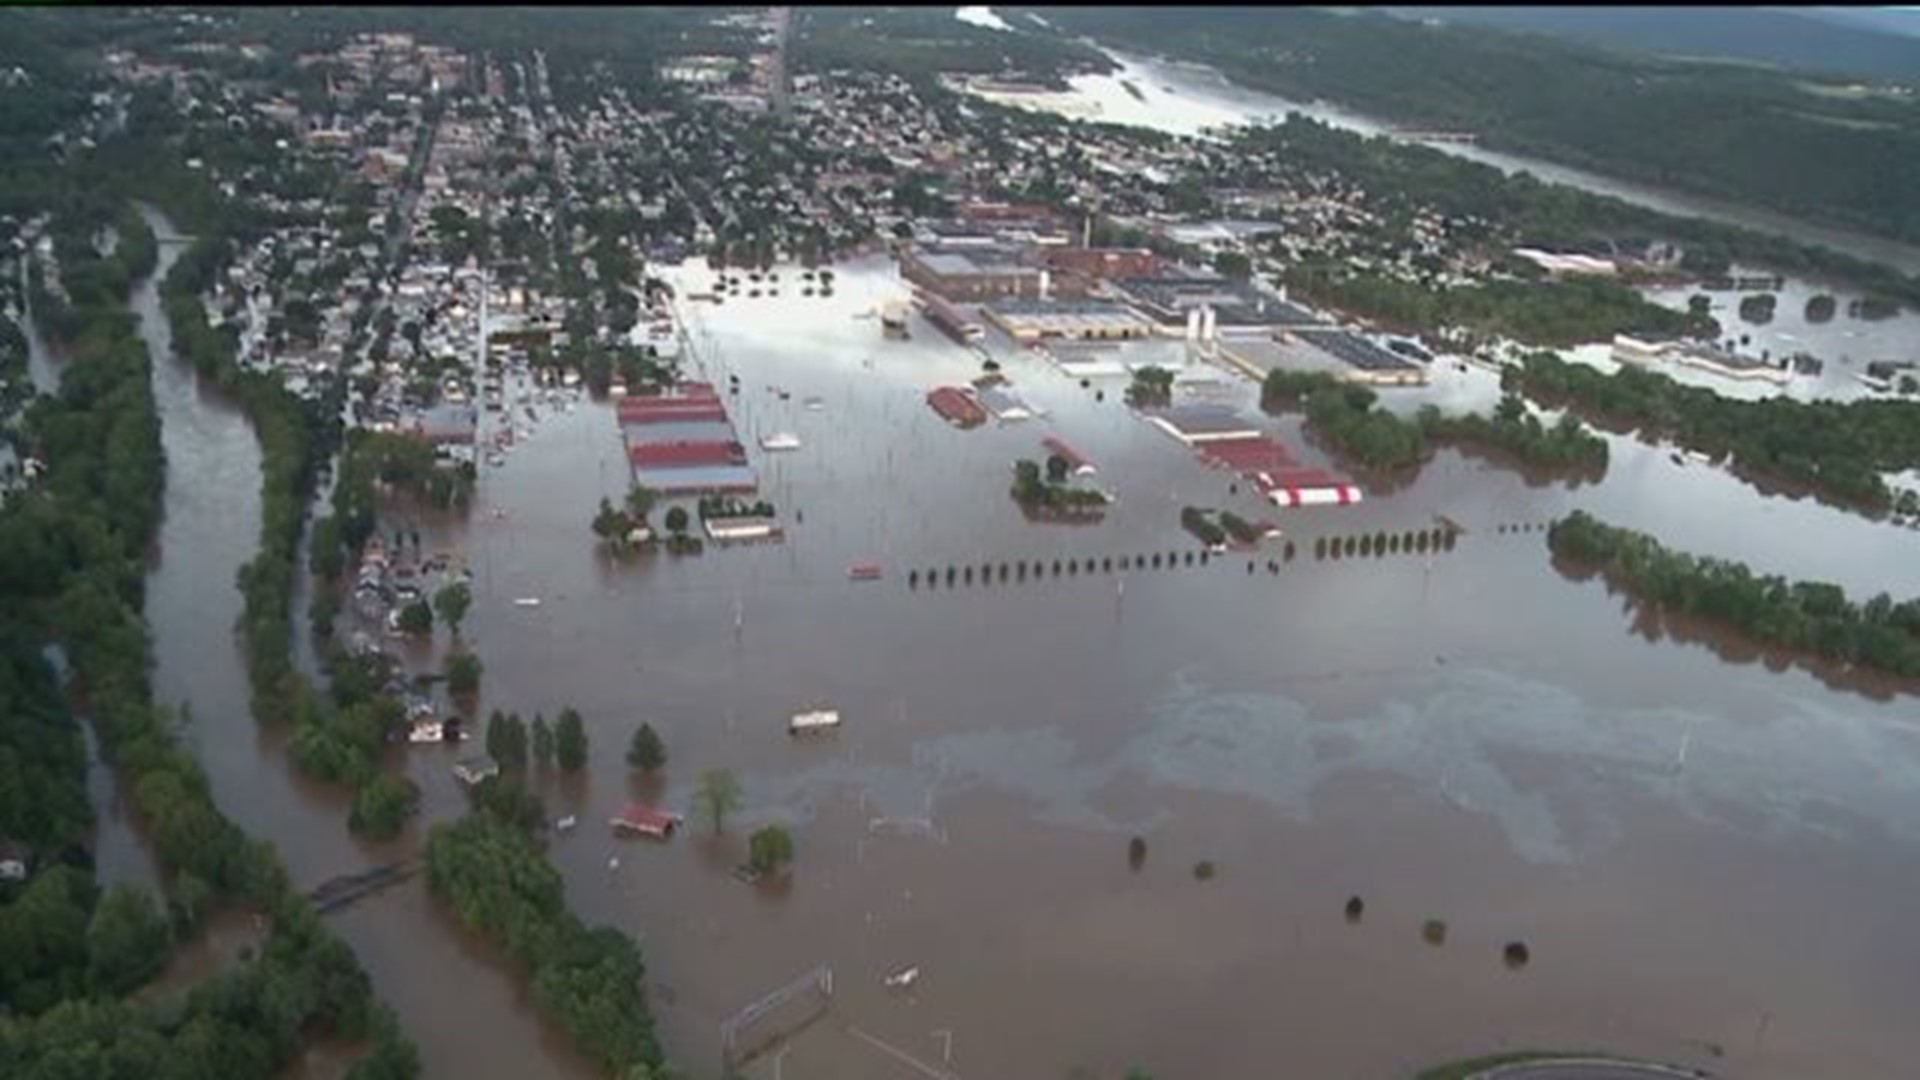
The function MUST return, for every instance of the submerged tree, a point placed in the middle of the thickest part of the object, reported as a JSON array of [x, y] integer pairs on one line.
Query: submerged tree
[[542, 741], [646, 752], [717, 796], [769, 848], [452, 602], [570, 741]]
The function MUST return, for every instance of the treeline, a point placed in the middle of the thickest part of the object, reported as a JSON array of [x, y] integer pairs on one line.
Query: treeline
[[1716, 129], [1347, 418], [1566, 446], [1554, 314], [1804, 616], [72, 570], [591, 981], [1838, 451]]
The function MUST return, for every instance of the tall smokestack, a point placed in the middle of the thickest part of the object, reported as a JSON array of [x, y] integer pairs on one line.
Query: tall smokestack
[[1046, 284]]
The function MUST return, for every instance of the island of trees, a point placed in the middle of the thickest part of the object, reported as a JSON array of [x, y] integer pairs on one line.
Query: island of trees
[[1809, 617], [1051, 495], [1348, 418]]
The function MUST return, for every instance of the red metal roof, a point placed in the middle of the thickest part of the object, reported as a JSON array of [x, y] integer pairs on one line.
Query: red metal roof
[[687, 453], [1074, 457], [649, 410], [647, 819], [1247, 455], [956, 405]]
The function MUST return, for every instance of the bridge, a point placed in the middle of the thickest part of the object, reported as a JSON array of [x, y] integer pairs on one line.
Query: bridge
[[346, 889]]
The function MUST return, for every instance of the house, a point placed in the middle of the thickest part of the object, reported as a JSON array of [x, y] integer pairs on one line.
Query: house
[[14, 857]]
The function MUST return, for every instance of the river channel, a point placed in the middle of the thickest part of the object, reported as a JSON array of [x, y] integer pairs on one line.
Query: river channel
[[453, 994]]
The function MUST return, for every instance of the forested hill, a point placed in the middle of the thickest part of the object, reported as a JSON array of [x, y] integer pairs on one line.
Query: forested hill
[[1741, 133], [1800, 39]]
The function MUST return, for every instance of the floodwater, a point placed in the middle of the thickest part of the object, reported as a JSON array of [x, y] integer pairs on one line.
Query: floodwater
[[1846, 342], [1701, 851], [444, 984], [1185, 98]]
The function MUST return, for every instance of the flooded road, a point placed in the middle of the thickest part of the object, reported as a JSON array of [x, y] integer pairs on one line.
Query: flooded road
[[444, 985], [1700, 851], [1189, 99]]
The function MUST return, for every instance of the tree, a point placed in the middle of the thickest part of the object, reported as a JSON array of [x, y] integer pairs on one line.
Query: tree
[[717, 796], [640, 500], [677, 520], [542, 741], [1233, 264], [452, 602], [1057, 469], [507, 740], [416, 618], [127, 941], [610, 524], [463, 673], [646, 752], [769, 848], [382, 805], [570, 741]]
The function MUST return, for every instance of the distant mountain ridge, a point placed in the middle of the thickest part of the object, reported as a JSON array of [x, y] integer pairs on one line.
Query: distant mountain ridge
[[1860, 42]]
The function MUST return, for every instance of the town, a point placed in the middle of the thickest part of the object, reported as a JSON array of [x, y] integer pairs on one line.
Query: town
[[670, 477]]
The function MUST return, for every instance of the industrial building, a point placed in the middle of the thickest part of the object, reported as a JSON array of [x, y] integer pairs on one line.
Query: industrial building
[[950, 320], [1238, 305], [1028, 321], [973, 273], [1339, 353], [683, 443]]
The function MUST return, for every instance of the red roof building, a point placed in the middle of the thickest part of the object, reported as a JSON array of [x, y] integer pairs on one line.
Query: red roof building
[[646, 820], [1074, 459], [668, 455], [957, 406]]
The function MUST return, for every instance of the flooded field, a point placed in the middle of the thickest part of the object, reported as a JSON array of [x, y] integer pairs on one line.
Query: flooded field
[[1701, 855]]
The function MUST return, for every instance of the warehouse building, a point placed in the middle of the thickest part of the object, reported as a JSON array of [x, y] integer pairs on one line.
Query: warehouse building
[[973, 274], [1028, 321]]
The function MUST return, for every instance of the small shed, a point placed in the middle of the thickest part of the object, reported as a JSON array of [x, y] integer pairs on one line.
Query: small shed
[[646, 821]]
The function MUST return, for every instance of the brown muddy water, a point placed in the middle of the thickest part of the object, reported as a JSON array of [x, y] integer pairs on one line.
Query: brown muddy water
[[444, 984], [1701, 855]]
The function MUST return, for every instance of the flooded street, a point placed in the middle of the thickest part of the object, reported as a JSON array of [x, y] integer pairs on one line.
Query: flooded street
[[1699, 853], [415, 954]]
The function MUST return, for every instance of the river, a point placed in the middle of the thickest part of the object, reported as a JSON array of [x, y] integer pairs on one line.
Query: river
[[1694, 843], [1184, 98], [455, 996]]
